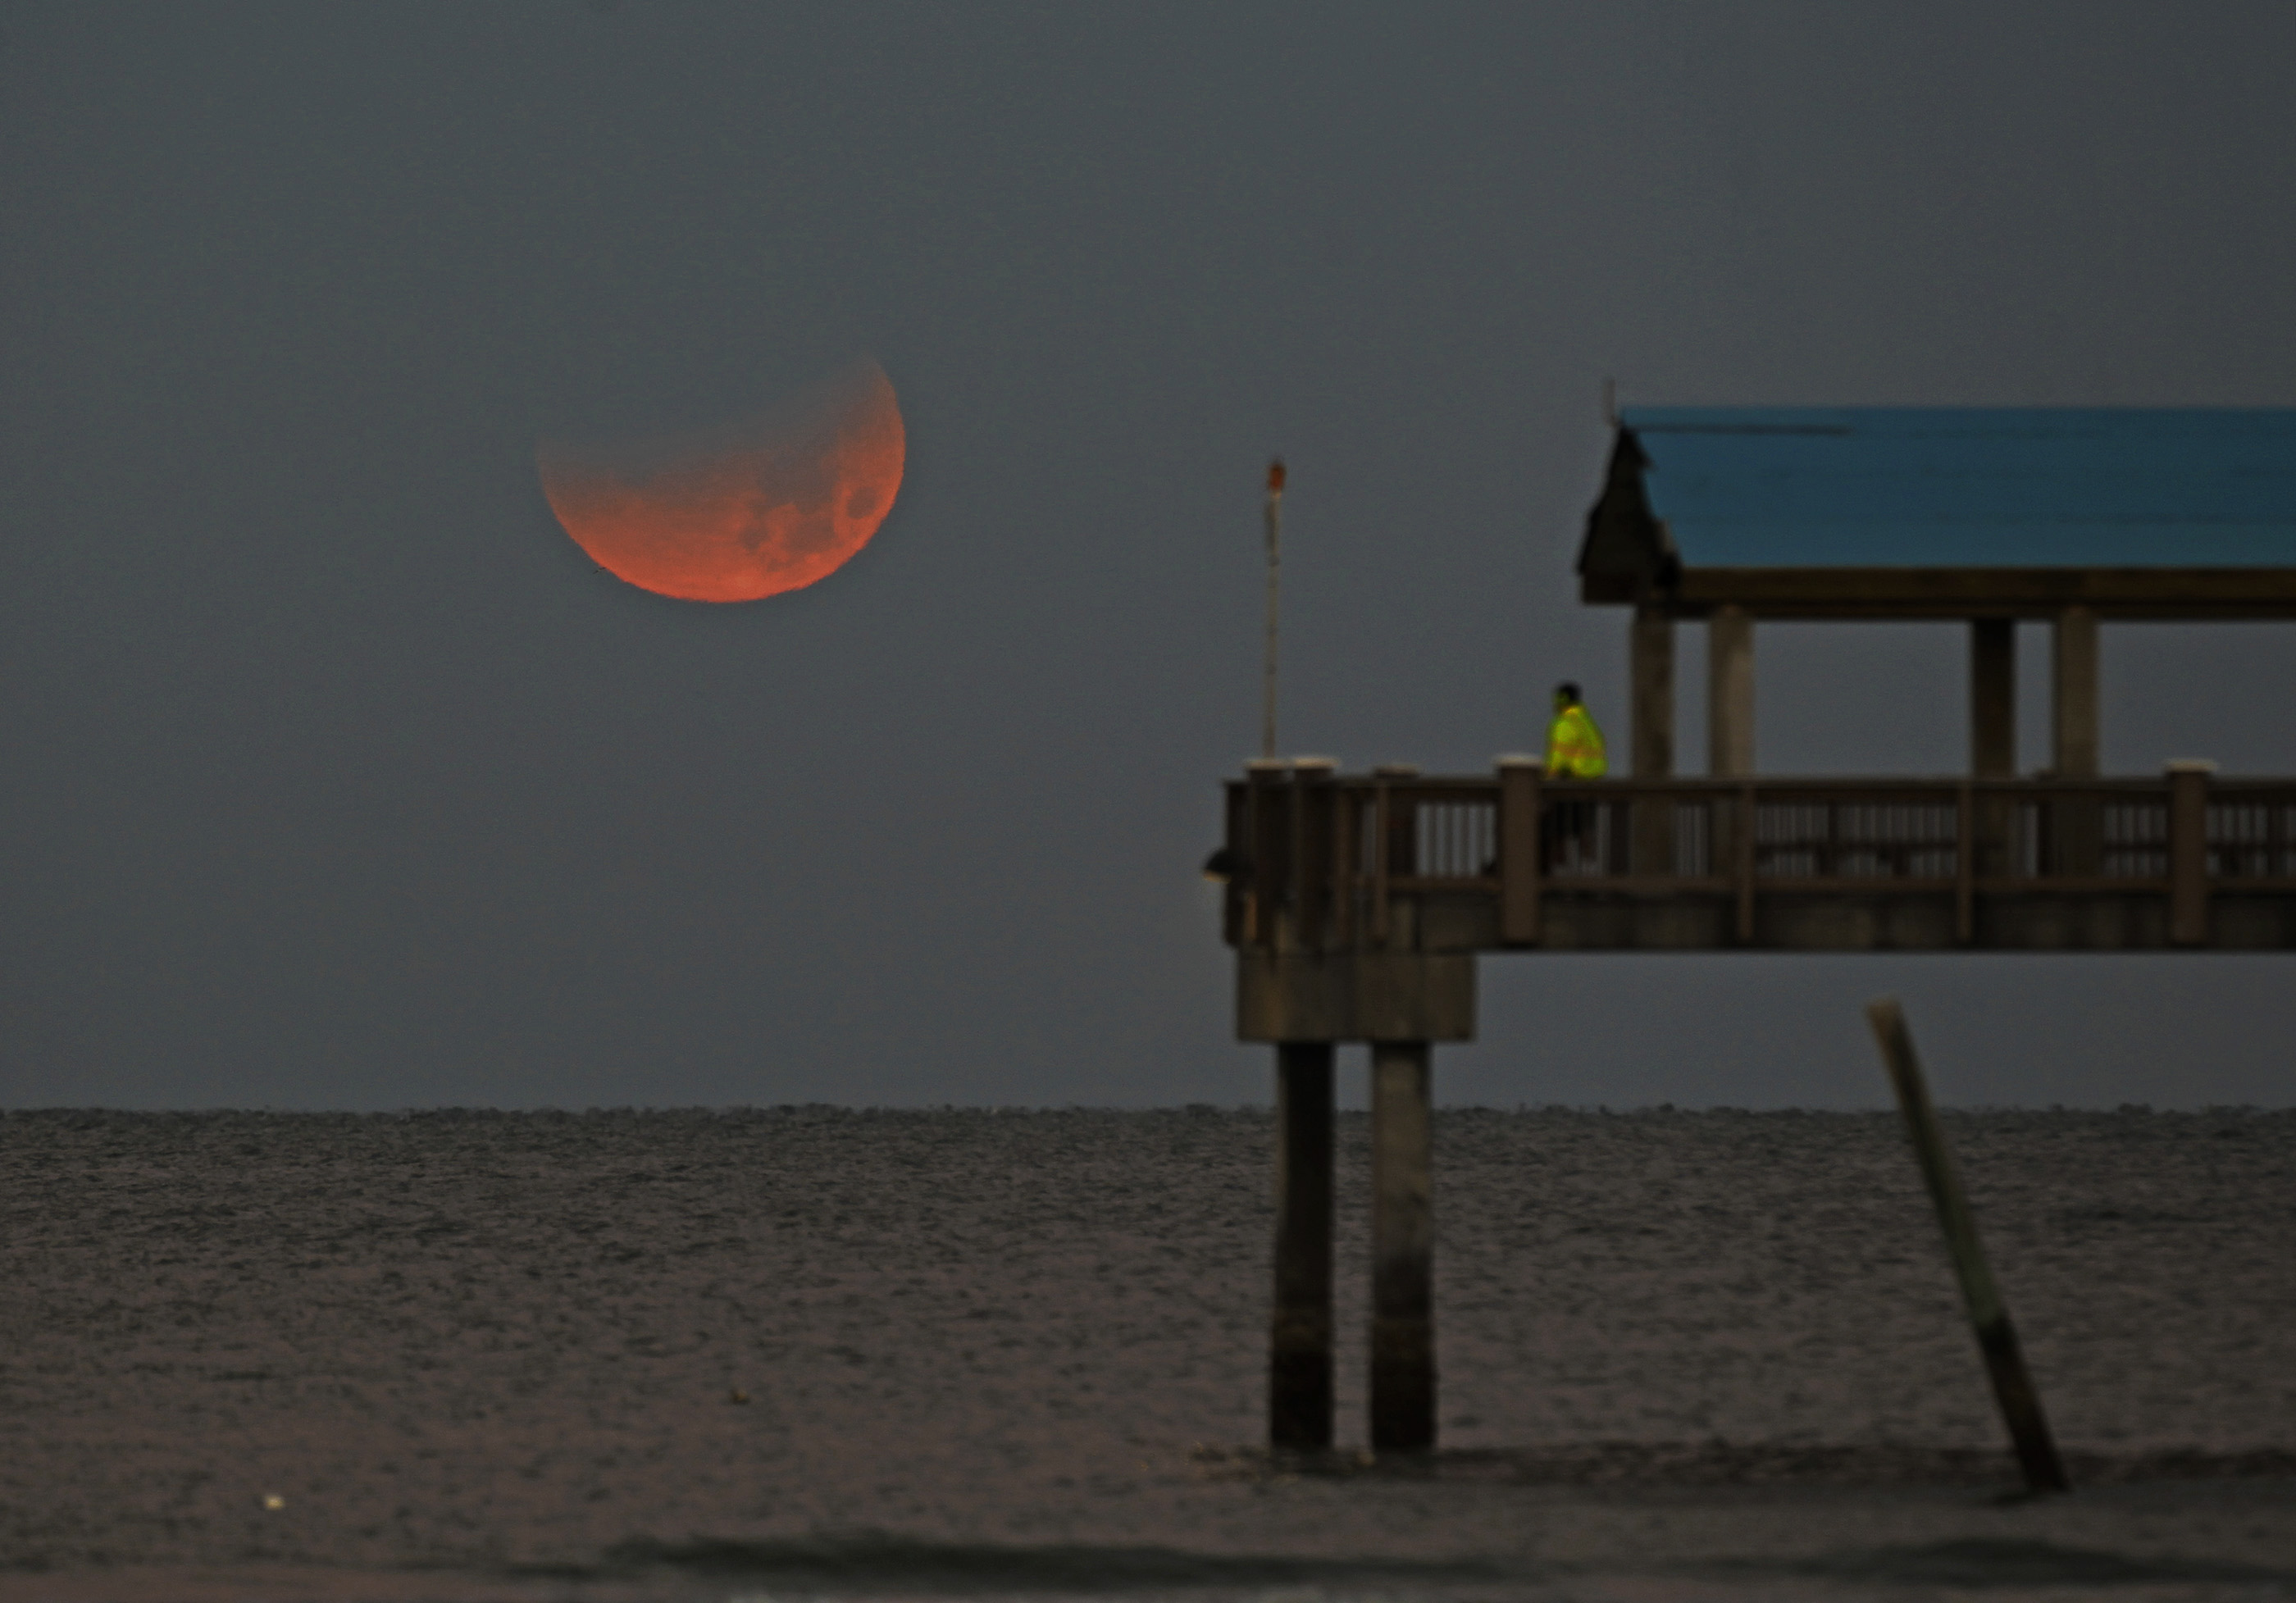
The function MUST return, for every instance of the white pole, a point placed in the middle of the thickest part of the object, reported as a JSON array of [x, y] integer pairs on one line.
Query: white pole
[[1274, 568]]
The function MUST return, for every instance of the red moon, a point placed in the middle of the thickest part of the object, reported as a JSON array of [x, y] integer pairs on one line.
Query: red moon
[[774, 504]]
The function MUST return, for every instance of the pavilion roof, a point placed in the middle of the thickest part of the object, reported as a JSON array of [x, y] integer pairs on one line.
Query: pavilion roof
[[1851, 512]]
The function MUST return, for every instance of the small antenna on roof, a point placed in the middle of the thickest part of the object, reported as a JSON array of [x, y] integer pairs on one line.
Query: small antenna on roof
[[1610, 402]]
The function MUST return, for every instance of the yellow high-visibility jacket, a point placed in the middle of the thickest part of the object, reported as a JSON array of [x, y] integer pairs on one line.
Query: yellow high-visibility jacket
[[1574, 746]]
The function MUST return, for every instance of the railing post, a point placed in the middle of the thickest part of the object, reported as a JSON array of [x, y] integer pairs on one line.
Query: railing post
[[1519, 866], [1379, 865], [1994, 836], [1402, 820], [1265, 818], [2188, 851], [1230, 864], [1313, 897], [2076, 837], [1397, 849], [1653, 857]]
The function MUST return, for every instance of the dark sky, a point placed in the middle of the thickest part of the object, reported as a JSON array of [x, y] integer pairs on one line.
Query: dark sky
[[338, 777]]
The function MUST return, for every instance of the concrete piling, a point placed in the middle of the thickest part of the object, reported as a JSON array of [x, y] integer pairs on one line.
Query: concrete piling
[[1403, 1250], [1299, 1337]]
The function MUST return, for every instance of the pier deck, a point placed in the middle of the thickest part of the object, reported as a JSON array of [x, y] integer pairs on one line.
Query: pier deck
[[1394, 860]]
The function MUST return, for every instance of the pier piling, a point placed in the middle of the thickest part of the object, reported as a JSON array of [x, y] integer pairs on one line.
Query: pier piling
[[1300, 1339], [1403, 1250]]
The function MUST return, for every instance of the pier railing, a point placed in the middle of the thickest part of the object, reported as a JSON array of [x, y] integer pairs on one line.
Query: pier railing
[[1321, 860]]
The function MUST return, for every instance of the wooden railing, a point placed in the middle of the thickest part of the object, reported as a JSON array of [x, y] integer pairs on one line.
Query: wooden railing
[[1327, 855]]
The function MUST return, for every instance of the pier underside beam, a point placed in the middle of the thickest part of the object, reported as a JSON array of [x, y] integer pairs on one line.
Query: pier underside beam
[[1355, 995]]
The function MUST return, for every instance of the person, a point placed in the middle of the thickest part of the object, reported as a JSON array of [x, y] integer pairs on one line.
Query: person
[[1574, 751], [1574, 745]]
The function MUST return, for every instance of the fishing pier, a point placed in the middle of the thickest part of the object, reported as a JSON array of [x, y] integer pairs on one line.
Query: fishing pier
[[1358, 903]]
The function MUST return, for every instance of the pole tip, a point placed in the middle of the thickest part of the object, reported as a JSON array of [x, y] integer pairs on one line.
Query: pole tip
[[1275, 477]]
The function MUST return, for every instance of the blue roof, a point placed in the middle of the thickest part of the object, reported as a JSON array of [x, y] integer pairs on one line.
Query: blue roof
[[1972, 487]]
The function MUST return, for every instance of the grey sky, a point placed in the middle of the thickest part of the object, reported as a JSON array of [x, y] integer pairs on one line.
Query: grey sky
[[341, 778]]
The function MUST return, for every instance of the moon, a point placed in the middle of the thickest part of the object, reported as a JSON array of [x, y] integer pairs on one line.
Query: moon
[[768, 504]]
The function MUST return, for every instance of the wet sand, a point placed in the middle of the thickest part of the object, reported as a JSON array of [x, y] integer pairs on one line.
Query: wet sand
[[476, 1354]]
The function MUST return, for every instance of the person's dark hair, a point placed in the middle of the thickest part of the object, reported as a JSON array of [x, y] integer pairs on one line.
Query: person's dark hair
[[1569, 690]]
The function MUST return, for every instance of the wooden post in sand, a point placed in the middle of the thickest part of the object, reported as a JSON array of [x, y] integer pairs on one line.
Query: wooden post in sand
[[1402, 1248], [1300, 1336], [1997, 1337]]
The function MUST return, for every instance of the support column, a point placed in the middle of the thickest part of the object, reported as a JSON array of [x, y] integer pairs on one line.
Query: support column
[[2073, 703], [1992, 741], [1402, 1248], [1993, 698], [2076, 823], [2188, 851], [1652, 676], [1730, 731], [1730, 692], [1651, 671], [1300, 1334]]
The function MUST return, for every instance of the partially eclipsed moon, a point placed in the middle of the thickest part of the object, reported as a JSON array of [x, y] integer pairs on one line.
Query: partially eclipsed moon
[[774, 504]]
